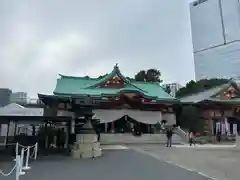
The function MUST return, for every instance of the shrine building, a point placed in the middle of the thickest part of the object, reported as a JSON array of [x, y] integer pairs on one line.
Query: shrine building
[[219, 107], [111, 100]]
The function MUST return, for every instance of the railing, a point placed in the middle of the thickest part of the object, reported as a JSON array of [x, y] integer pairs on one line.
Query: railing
[[181, 133], [20, 159]]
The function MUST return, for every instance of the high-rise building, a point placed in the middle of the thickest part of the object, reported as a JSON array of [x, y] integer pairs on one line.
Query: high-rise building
[[216, 38], [19, 97], [5, 95], [174, 87]]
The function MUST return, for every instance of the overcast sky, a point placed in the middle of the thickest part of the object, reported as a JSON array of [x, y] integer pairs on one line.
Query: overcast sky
[[41, 38]]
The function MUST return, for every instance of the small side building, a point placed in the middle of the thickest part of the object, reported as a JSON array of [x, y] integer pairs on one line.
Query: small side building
[[219, 107]]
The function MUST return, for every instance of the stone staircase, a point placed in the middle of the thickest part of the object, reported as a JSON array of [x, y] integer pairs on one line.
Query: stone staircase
[[128, 138], [180, 132]]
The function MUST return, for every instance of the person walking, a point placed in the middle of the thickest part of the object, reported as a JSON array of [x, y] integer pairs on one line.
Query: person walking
[[219, 136], [98, 134], [169, 134], [191, 138]]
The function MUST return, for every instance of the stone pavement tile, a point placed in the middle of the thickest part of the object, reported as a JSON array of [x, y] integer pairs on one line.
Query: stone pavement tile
[[222, 164], [117, 165]]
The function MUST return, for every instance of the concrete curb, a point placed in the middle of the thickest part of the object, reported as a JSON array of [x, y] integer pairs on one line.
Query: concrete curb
[[139, 143]]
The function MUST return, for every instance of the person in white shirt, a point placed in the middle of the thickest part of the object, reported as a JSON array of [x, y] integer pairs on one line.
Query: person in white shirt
[[191, 138]]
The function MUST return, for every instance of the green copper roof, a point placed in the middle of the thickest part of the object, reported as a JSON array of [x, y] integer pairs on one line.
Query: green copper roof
[[213, 95], [79, 86]]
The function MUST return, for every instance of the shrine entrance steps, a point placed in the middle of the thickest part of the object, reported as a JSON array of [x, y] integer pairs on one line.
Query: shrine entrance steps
[[128, 138]]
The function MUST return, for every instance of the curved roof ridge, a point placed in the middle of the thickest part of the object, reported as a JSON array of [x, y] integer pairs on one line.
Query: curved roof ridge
[[115, 71]]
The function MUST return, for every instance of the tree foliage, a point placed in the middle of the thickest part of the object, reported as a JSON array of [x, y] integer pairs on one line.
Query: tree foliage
[[140, 76], [151, 75], [199, 86], [189, 118]]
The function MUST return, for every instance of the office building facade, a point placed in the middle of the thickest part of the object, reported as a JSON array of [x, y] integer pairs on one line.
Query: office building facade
[[5, 95], [174, 88], [19, 98], [216, 38]]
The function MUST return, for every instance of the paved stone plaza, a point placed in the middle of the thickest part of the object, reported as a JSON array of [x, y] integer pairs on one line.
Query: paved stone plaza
[[219, 163], [115, 164]]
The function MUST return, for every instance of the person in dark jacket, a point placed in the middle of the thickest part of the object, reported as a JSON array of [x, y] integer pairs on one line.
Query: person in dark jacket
[[62, 138], [169, 134], [59, 138], [98, 133], [218, 135]]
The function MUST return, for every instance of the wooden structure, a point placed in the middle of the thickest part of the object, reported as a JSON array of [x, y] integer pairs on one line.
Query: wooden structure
[[220, 107]]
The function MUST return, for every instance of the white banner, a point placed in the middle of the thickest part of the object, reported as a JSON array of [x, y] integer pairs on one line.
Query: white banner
[[235, 129], [223, 129], [227, 126]]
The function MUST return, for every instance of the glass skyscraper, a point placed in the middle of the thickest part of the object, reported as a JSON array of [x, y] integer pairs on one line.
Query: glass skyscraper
[[216, 38]]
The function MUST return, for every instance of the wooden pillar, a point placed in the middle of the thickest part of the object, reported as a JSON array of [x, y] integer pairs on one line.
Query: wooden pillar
[[72, 125], [46, 135], [113, 127], [149, 128], [15, 128], [105, 127], [66, 130]]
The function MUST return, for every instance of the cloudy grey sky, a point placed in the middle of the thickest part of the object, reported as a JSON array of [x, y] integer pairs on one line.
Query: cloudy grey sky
[[41, 38]]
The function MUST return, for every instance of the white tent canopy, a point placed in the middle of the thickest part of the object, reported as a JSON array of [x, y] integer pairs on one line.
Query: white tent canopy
[[14, 109], [147, 117]]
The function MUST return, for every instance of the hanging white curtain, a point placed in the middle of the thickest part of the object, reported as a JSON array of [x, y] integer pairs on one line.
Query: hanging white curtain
[[170, 118], [108, 115], [64, 113], [146, 117]]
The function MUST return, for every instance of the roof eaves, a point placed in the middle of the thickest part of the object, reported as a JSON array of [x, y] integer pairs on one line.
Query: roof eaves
[[77, 77]]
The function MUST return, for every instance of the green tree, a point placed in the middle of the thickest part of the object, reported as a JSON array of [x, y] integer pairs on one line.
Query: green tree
[[189, 118], [151, 75], [140, 76], [199, 86]]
